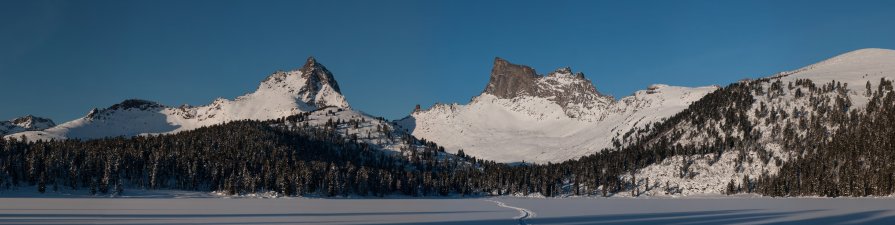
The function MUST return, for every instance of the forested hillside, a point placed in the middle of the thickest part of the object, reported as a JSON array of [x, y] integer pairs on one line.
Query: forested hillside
[[282, 156], [856, 161]]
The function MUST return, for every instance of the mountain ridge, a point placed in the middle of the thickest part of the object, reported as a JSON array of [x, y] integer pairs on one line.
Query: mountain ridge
[[25, 123], [524, 116], [281, 94], [808, 132]]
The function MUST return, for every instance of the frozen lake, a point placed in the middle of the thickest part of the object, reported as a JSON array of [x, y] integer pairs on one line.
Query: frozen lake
[[211, 210]]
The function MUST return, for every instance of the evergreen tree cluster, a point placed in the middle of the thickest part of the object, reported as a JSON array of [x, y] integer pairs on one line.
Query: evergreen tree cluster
[[234, 158], [855, 161]]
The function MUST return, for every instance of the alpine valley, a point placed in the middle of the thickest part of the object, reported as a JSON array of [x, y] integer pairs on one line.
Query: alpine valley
[[825, 129]]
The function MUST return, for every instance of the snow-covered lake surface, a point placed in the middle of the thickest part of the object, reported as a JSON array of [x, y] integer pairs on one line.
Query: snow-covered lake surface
[[186, 208]]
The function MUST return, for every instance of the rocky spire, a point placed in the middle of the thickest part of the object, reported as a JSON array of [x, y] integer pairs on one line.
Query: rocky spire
[[315, 73], [312, 84]]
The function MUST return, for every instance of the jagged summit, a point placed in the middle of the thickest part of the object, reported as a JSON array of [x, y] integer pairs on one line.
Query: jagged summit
[[25, 123], [566, 72], [563, 70], [310, 61], [312, 84], [315, 73], [567, 89], [33, 122]]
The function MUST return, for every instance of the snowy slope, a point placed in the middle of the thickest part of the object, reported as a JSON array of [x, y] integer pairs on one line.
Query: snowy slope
[[854, 68], [772, 109], [281, 94], [543, 118], [25, 123]]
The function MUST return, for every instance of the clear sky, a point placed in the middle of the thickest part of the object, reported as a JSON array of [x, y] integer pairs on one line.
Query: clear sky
[[59, 59]]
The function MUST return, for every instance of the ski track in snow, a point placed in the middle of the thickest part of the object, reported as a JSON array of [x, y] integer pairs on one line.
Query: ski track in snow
[[523, 212]]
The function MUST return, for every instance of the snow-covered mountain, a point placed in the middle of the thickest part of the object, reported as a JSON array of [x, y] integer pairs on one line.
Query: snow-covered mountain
[[25, 123], [523, 116], [783, 117], [282, 94]]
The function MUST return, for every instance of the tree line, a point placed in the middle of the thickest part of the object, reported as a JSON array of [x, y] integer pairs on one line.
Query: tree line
[[839, 151]]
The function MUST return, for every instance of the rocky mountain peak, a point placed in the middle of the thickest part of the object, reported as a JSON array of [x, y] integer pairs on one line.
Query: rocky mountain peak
[[510, 80], [33, 122], [25, 123], [566, 72], [316, 74], [312, 84], [311, 61], [563, 70], [564, 87]]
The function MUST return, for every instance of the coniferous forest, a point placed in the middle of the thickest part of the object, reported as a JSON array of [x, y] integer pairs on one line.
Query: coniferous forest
[[838, 151]]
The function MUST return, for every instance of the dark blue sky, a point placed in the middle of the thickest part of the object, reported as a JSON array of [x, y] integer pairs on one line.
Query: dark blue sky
[[59, 59]]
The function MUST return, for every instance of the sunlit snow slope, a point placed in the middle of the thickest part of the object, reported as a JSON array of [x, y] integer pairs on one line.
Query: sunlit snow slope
[[522, 116], [854, 68]]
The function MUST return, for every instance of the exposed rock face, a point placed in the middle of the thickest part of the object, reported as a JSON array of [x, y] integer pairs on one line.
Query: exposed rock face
[[568, 90], [316, 75], [510, 80]]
